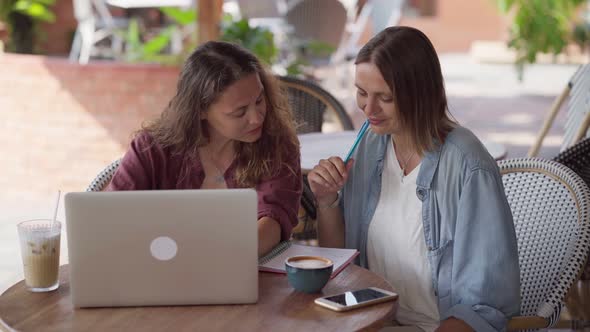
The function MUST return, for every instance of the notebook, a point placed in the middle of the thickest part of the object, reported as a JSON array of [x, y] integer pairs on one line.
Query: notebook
[[162, 247], [275, 260]]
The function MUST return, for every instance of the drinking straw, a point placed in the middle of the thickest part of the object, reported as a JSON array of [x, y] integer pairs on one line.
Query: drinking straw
[[56, 207]]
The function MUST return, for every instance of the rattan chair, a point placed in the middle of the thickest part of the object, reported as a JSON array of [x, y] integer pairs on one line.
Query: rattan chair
[[550, 207], [577, 158], [103, 178], [309, 103]]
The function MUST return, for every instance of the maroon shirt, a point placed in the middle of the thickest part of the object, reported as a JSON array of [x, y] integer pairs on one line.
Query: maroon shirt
[[148, 166]]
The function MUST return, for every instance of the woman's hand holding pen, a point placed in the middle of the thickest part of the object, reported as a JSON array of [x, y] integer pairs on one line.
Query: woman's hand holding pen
[[327, 178]]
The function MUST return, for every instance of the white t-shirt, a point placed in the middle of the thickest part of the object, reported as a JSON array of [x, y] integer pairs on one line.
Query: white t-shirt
[[396, 248]]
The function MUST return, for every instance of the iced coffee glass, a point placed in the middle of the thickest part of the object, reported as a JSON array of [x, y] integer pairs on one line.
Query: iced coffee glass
[[39, 242]]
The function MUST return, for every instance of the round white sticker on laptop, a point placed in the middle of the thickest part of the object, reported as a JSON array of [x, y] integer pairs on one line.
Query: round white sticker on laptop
[[163, 248]]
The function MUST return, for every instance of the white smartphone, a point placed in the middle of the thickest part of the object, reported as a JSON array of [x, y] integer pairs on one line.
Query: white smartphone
[[355, 299]]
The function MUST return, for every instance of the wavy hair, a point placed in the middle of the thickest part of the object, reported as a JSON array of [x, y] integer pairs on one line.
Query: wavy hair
[[206, 74]]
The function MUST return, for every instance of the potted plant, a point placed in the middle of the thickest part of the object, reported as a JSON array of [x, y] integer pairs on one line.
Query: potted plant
[[258, 40]]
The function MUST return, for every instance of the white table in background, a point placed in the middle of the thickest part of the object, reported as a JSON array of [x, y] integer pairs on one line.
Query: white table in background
[[150, 3], [316, 146]]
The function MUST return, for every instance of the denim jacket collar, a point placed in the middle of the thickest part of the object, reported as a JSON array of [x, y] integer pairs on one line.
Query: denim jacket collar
[[429, 167]]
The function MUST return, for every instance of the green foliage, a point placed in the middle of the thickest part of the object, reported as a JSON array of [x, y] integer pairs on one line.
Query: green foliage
[[319, 49], [581, 36], [295, 67], [539, 26], [180, 16], [258, 40], [304, 53], [151, 50], [38, 10], [34, 11]]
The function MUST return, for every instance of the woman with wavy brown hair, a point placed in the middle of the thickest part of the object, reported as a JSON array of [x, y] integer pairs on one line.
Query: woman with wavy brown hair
[[228, 126]]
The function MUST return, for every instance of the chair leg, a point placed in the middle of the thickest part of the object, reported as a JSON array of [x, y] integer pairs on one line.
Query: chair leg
[[583, 127], [75, 50], [524, 323], [87, 34], [117, 45], [549, 121]]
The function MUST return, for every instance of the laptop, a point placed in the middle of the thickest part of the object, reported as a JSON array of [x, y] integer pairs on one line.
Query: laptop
[[162, 247]]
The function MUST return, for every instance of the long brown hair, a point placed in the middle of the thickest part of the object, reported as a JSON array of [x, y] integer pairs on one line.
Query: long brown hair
[[409, 64], [206, 74]]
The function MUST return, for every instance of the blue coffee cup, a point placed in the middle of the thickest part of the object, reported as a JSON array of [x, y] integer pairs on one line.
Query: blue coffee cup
[[308, 274]]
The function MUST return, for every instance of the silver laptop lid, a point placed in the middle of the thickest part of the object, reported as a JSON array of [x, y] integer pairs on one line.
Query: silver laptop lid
[[162, 247]]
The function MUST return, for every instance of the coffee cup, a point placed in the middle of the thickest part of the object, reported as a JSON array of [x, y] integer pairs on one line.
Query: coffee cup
[[308, 274], [40, 241]]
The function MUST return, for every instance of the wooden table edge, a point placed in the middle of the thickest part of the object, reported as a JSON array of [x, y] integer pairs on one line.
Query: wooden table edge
[[373, 326], [4, 327]]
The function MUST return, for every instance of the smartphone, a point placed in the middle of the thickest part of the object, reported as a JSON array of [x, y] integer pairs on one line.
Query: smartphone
[[355, 299]]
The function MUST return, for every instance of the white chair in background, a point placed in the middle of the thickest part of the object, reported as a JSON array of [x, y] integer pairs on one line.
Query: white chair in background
[[95, 23], [578, 116], [376, 15], [577, 125]]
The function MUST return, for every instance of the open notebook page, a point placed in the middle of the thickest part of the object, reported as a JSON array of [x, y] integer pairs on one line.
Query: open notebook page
[[275, 261]]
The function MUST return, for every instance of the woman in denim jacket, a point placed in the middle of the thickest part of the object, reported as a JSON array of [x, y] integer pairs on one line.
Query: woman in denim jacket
[[422, 199]]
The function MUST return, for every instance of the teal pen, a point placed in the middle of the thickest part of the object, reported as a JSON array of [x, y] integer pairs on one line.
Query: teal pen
[[360, 135]]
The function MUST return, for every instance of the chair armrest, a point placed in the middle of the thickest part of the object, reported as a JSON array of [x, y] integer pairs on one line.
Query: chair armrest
[[527, 322]]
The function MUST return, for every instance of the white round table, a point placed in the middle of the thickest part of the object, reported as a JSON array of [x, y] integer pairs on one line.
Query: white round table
[[316, 146]]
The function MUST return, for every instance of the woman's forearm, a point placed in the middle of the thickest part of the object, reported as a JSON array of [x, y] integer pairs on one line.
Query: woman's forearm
[[269, 234], [330, 227]]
